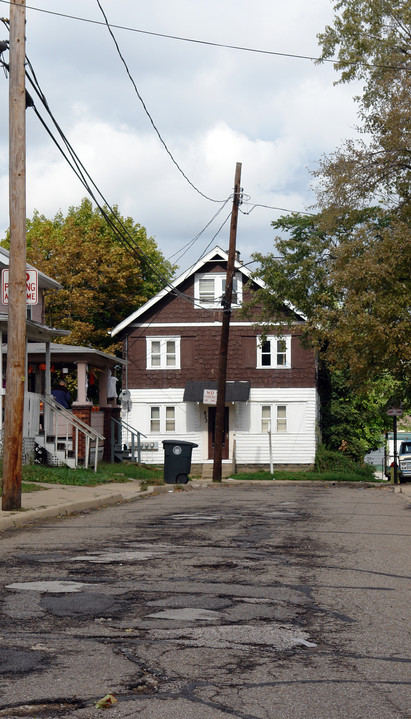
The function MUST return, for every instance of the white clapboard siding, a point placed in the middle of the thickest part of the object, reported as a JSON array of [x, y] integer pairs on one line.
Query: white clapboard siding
[[187, 421], [295, 446]]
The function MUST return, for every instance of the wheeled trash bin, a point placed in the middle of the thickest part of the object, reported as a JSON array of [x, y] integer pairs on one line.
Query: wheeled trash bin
[[177, 460]]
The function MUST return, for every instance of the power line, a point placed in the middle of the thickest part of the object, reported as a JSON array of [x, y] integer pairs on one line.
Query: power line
[[118, 227], [146, 110], [240, 48], [189, 244], [271, 207]]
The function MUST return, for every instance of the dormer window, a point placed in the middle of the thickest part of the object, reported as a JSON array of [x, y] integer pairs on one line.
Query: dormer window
[[210, 288]]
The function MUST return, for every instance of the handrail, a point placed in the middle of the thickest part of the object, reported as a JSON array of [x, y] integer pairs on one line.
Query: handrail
[[78, 425], [131, 430], [68, 414]]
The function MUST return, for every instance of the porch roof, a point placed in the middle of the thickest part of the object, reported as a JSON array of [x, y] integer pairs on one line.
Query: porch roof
[[35, 331], [71, 354], [237, 391]]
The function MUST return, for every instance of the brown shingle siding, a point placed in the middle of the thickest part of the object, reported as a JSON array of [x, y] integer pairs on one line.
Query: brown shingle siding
[[200, 349]]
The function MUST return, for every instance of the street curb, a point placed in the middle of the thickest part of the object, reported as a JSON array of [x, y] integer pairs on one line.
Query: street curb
[[20, 518]]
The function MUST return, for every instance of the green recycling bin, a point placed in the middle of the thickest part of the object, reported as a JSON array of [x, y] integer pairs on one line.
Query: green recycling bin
[[177, 460]]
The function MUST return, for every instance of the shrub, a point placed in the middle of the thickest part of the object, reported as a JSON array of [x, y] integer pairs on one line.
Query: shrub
[[329, 460]]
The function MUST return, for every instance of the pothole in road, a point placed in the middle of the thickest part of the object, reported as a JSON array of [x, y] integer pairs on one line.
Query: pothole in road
[[108, 557], [189, 614], [40, 711], [196, 517], [54, 587], [21, 661], [81, 605], [237, 636]]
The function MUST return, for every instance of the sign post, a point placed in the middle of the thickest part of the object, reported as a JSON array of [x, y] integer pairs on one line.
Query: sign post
[[395, 412]]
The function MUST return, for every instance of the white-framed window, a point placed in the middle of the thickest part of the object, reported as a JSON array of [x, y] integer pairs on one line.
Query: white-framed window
[[209, 289], [265, 417], [274, 416], [274, 352], [154, 419], [163, 352], [162, 419], [170, 419]]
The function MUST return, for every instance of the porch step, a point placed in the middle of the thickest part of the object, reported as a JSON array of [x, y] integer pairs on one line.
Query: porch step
[[124, 454], [57, 454]]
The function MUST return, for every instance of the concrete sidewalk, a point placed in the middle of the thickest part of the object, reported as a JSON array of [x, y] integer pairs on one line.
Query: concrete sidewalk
[[58, 500]]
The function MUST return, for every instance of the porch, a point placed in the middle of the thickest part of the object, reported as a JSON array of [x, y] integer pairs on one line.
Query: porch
[[80, 435]]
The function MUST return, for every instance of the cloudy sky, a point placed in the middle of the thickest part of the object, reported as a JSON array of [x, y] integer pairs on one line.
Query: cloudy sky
[[213, 107]]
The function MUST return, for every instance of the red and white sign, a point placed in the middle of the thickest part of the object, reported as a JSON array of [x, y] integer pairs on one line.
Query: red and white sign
[[394, 412], [32, 293], [210, 396]]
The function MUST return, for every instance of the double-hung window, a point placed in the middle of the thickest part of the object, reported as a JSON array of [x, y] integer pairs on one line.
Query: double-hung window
[[274, 352], [209, 289], [163, 352], [162, 419], [274, 418]]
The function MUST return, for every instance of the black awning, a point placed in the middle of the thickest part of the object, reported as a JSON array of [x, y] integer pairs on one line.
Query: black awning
[[234, 391]]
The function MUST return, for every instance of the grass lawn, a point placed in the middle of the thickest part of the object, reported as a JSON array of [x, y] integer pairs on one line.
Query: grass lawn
[[87, 477], [325, 476], [26, 488]]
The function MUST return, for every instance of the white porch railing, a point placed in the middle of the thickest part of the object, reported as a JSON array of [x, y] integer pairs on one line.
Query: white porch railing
[[62, 427]]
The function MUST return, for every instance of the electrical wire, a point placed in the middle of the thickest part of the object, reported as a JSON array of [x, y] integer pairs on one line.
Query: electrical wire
[[190, 244], [120, 230], [82, 174], [169, 153], [209, 43], [118, 227], [271, 207]]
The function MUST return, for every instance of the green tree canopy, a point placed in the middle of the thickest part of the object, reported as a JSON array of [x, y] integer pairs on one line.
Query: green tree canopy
[[354, 398], [347, 267], [102, 281]]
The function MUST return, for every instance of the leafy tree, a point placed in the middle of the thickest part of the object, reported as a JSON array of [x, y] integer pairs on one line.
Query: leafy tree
[[371, 39], [102, 282], [355, 254], [352, 421], [370, 328], [353, 408], [347, 267]]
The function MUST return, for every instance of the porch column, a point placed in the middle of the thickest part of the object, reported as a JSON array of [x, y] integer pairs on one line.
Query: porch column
[[81, 408], [81, 385], [47, 415], [102, 389], [2, 391], [47, 388]]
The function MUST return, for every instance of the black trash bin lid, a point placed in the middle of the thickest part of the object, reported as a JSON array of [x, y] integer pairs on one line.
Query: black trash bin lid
[[179, 441]]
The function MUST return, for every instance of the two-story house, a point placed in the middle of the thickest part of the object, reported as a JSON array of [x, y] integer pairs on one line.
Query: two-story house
[[172, 346]]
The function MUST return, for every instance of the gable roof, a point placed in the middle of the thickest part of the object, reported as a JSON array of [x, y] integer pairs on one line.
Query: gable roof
[[214, 255]]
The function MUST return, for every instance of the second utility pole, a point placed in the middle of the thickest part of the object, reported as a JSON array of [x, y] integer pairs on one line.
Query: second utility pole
[[225, 329]]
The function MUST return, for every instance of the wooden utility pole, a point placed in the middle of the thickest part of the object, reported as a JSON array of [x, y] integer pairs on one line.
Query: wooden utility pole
[[16, 333], [225, 330]]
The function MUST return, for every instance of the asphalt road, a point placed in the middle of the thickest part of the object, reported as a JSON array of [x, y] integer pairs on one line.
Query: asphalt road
[[257, 603]]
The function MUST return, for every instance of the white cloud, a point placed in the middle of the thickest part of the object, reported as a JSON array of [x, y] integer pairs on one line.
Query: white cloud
[[213, 107]]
